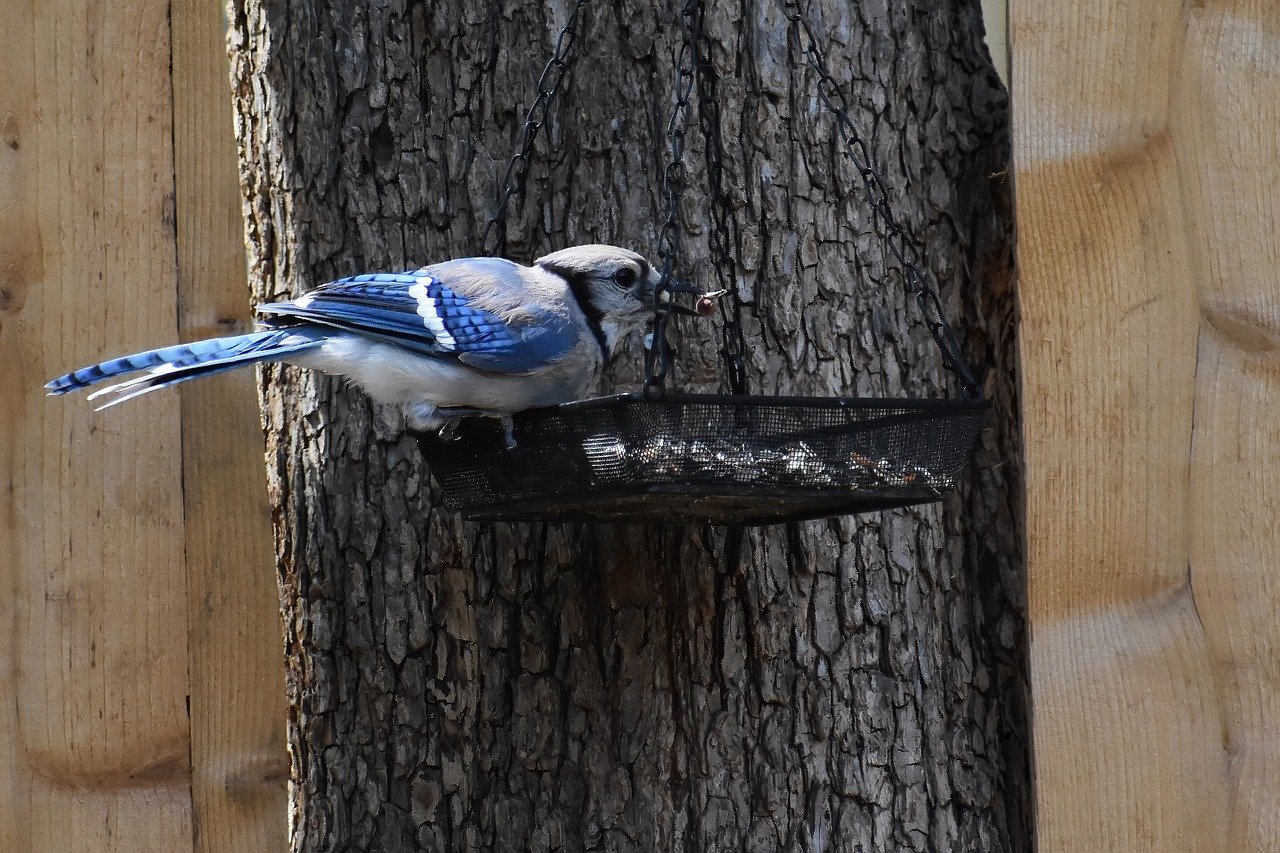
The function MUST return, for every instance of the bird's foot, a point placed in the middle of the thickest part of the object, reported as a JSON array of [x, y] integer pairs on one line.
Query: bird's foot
[[423, 417], [449, 432]]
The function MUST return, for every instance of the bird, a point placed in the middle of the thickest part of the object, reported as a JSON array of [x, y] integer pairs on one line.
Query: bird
[[471, 336]]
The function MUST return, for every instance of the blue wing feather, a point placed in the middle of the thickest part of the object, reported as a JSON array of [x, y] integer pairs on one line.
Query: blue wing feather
[[421, 313]]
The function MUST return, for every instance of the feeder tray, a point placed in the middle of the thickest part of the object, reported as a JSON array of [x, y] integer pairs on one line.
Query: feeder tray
[[713, 459], [705, 459]]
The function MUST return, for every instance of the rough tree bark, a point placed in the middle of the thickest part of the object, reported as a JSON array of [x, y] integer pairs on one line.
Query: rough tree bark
[[855, 683]]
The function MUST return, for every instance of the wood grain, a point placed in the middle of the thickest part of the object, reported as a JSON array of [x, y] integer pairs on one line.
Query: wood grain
[[1226, 116], [92, 509], [1146, 166], [239, 762], [20, 260], [128, 597]]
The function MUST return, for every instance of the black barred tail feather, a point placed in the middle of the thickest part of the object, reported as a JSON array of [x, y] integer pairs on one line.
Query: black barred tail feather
[[171, 365]]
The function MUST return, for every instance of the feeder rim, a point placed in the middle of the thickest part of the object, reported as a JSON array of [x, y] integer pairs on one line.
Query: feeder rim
[[947, 403], [524, 509]]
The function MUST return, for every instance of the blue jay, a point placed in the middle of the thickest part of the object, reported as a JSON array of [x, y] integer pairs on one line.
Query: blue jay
[[464, 337]]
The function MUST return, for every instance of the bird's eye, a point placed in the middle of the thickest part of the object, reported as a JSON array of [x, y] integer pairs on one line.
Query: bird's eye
[[625, 277]]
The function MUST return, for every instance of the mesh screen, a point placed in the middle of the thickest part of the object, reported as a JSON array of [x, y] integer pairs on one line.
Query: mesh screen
[[706, 458]]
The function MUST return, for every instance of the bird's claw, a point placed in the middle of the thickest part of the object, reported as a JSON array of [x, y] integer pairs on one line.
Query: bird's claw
[[449, 432]]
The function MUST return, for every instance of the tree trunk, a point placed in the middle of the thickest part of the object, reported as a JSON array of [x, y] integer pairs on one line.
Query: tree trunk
[[854, 683]]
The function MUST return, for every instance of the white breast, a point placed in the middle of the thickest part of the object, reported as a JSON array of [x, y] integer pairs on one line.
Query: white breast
[[392, 375]]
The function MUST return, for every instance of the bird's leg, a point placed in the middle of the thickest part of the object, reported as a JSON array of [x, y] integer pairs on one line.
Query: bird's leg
[[460, 412], [423, 417], [427, 417]]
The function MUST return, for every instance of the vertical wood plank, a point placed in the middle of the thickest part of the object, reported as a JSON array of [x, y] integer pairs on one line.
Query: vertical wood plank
[[1226, 117], [1126, 727], [239, 762], [20, 261], [1147, 165], [92, 513]]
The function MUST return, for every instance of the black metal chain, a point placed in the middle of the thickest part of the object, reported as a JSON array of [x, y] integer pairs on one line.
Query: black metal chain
[[723, 257], [694, 66], [517, 176], [895, 238], [657, 359]]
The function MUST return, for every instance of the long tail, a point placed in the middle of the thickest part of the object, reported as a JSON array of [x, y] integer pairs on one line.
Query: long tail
[[171, 365]]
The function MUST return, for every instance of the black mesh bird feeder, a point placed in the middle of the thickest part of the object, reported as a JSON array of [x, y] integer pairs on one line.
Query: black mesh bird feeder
[[659, 456]]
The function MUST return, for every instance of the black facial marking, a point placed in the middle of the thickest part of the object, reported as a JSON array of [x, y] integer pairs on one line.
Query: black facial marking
[[579, 287]]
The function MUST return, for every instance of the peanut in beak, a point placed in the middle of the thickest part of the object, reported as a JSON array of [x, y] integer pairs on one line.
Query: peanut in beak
[[706, 304], [704, 307]]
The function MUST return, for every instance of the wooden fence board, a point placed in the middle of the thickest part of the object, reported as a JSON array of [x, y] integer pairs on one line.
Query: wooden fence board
[[125, 599], [1227, 116], [20, 261], [93, 512], [135, 819], [239, 762], [98, 693], [1150, 504]]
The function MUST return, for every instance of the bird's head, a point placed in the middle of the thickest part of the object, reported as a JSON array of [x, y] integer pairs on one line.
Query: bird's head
[[614, 286]]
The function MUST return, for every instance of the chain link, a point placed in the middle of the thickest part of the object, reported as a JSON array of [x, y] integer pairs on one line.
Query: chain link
[[694, 66], [657, 359], [720, 238], [895, 237], [516, 179]]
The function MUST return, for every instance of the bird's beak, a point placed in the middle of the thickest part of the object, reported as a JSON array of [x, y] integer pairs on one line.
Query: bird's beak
[[676, 285]]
